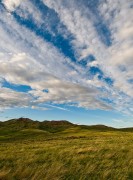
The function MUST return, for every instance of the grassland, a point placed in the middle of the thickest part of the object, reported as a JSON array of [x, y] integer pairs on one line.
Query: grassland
[[73, 153]]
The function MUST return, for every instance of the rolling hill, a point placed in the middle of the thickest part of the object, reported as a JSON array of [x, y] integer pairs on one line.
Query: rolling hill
[[51, 126], [62, 150]]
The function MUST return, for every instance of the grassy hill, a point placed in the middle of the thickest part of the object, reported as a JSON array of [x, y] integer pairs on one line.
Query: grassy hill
[[14, 126], [51, 126], [60, 150]]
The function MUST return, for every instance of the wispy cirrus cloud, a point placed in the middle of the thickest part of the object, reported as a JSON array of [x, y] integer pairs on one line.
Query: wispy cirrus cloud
[[78, 52], [109, 43]]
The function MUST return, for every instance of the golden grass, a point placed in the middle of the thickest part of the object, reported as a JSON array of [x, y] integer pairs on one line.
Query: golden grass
[[82, 155]]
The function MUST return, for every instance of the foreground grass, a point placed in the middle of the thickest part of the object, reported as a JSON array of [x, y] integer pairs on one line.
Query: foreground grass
[[69, 155]]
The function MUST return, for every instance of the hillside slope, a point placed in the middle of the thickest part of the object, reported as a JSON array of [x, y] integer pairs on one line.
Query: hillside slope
[[60, 150], [26, 123], [51, 126]]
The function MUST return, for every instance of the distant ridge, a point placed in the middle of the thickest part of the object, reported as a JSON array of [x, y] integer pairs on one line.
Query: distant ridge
[[98, 127], [51, 126], [26, 123]]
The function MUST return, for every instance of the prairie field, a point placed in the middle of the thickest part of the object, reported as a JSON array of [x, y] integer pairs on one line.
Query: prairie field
[[72, 154]]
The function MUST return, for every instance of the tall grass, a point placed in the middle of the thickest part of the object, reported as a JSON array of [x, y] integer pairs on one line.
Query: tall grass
[[68, 155]]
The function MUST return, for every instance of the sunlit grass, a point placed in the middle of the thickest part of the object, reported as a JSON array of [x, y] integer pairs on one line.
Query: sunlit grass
[[69, 155]]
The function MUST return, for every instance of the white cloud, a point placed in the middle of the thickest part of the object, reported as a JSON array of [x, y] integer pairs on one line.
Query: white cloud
[[121, 51], [38, 68], [11, 4], [11, 99], [57, 107], [28, 59], [40, 108], [80, 20], [60, 92]]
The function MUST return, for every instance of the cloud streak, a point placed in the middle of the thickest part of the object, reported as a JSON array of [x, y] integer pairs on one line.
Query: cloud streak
[[81, 58]]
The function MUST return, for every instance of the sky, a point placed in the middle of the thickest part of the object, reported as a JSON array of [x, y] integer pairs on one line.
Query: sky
[[72, 60]]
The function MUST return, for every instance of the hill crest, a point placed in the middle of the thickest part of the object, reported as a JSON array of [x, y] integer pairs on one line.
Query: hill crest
[[52, 125]]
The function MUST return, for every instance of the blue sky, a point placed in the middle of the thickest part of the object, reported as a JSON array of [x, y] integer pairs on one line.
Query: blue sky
[[67, 60]]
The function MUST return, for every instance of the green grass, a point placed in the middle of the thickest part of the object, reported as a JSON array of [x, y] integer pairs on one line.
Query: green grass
[[71, 154]]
